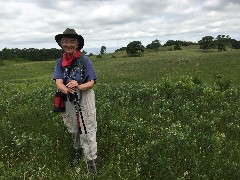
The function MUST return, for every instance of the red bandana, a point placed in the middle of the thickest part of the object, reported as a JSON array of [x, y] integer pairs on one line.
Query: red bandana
[[67, 60]]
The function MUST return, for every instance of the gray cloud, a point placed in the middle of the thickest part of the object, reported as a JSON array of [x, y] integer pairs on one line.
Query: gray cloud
[[28, 23]]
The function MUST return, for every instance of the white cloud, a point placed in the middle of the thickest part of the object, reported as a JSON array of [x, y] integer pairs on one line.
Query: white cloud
[[211, 3], [34, 23]]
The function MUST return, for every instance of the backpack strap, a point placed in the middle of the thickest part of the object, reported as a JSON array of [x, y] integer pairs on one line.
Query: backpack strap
[[76, 66], [80, 66]]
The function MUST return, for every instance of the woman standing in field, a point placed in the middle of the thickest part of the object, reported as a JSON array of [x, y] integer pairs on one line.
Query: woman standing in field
[[75, 77]]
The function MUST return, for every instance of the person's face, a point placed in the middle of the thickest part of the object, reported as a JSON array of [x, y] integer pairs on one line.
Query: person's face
[[69, 45]]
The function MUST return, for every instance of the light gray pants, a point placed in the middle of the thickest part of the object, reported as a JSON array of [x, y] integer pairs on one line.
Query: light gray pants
[[86, 141]]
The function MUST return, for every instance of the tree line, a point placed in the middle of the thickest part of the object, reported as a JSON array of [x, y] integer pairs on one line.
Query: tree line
[[221, 42], [30, 54], [134, 48]]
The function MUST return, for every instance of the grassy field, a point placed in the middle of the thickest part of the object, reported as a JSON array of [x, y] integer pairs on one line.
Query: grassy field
[[164, 115], [150, 68], [171, 64]]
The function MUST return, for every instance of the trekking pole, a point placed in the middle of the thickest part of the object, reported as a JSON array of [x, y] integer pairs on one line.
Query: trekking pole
[[78, 110]]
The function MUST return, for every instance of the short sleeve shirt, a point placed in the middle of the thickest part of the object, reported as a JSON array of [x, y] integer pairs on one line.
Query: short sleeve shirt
[[89, 73]]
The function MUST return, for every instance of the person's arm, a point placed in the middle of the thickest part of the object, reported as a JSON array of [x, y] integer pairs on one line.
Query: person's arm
[[84, 87], [62, 87], [59, 76]]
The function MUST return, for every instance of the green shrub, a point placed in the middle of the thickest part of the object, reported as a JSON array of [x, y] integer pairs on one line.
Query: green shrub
[[170, 130], [177, 47], [222, 83]]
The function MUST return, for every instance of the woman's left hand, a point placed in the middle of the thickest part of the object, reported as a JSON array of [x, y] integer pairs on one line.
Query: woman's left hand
[[72, 84]]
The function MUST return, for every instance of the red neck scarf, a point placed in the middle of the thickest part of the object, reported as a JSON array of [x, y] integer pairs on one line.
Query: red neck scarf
[[67, 60]]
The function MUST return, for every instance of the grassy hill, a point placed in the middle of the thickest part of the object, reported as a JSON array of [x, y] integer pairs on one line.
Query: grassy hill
[[151, 67], [165, 115]]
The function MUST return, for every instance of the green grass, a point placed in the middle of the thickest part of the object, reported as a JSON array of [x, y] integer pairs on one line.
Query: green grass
[[150, 68], [154, 66], [164, 115]]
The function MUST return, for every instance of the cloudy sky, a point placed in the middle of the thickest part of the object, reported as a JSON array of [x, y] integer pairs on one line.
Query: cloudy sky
[[115, 23]]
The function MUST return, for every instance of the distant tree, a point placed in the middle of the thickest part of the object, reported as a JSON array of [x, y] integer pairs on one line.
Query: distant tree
[[103, 50], [121, 49], [134, 48], [206, 43], [222, 41], [186, 43], [235, 44], [177, 47], [31, 54], [84, 52], [91, 54], [178, 42], [154, 45], [169, 43], [7, 54]]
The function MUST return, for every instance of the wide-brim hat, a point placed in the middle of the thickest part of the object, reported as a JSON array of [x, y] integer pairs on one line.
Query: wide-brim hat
[[70, 33]]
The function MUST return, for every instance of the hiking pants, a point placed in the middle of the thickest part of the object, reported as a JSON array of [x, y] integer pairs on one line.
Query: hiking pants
[[86, 141]]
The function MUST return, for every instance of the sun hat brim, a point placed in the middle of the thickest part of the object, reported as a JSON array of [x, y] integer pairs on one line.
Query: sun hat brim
[[78, 37]]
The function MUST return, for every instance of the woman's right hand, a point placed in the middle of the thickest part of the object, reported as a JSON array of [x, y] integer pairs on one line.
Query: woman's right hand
[[70, 90], [62, 87]]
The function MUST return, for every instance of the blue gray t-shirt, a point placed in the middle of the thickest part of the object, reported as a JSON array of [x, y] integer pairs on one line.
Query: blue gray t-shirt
[[89, 73]]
